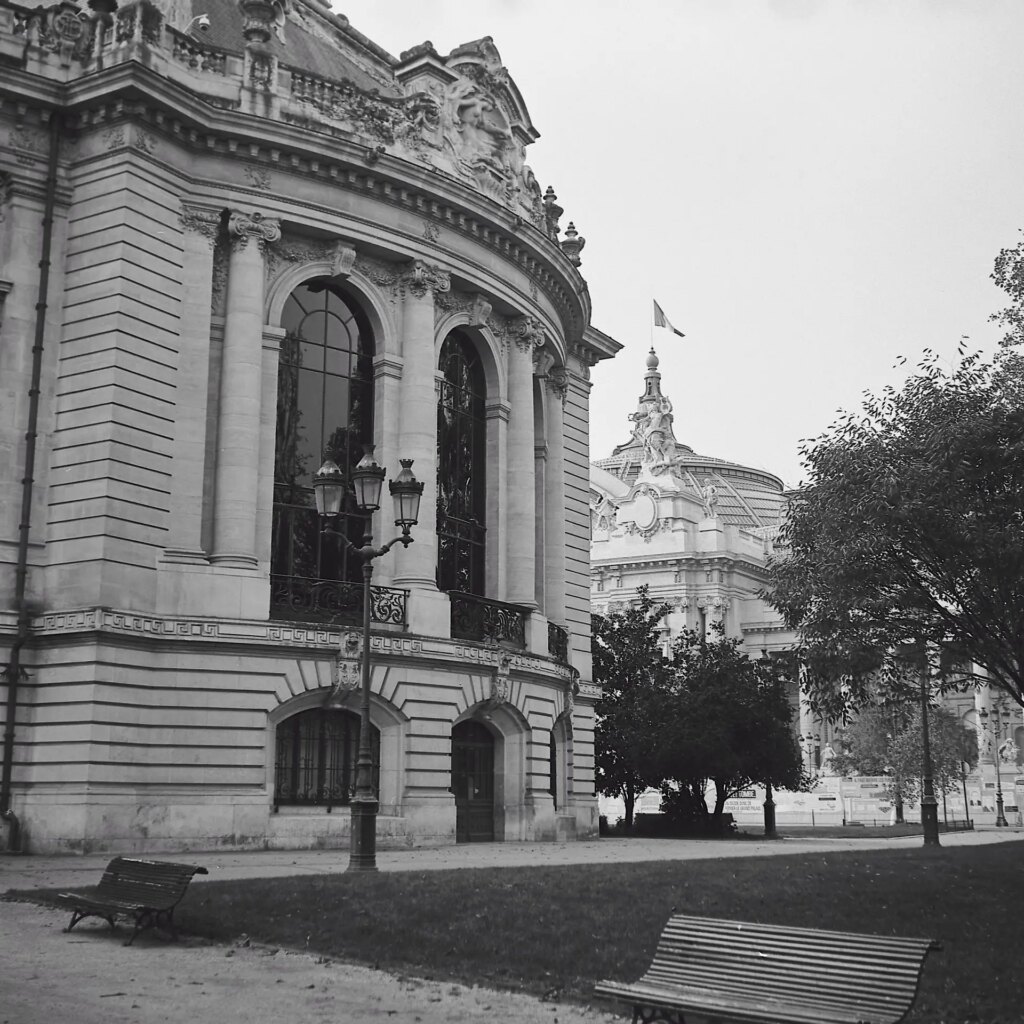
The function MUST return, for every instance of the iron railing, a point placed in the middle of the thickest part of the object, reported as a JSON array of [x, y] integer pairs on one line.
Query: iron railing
[[477, 618], [558, 643], [295, 597]]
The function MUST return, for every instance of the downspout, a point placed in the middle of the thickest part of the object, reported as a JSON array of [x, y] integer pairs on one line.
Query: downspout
[[14, 672]]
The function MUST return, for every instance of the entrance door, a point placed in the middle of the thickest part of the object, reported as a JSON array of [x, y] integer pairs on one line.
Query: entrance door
[[473, 782]]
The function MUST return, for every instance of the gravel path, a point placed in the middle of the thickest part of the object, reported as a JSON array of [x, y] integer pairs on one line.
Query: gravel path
[[88, 977]]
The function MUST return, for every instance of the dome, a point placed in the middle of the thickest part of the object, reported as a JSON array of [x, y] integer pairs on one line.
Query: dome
[[747, 497]]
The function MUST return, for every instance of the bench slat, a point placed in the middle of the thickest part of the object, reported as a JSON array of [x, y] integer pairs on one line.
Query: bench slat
[[754, 972]]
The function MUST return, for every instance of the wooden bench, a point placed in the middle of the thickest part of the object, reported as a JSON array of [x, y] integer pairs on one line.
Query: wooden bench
[[146, 890], [734, 971]]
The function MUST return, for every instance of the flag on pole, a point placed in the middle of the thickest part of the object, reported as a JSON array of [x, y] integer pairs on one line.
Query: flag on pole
[[660, 320]]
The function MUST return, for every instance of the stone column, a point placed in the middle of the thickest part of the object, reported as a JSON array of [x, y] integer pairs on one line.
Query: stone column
[[416, 565], [983, 708], [556, 387], [238, 422], [522, 533]]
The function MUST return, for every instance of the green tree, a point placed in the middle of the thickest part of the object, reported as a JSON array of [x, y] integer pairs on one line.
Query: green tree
[[949, 743], [725, 722], [629, 666], [867, 747], [910, 535]]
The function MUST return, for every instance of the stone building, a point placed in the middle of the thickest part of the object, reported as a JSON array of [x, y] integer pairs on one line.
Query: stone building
[[236, 237], [696, 530]]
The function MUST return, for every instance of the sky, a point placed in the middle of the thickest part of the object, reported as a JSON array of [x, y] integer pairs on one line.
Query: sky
[[809, 188]]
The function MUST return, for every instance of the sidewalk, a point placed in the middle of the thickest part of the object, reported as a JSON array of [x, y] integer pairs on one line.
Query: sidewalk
[[89, 977], [65, 871]]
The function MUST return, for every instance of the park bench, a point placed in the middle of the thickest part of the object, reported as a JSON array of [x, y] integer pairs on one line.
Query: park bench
[[734, 971], [146, 890]]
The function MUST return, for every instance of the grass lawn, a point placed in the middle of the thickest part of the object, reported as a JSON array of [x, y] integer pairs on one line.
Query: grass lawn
[[556, 931]]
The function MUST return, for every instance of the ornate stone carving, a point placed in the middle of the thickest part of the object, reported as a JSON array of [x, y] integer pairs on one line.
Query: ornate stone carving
[[63, 29], [113, 137], [558, 382], [258, 177], [346, 669], [262, 18], [29, 144], [529, 333], [384, 275], [343, 259], [431, 232], [421, 277], [243, 226], [201, 221], [479, 311], [572, 244], [143, 140], [501, 684]]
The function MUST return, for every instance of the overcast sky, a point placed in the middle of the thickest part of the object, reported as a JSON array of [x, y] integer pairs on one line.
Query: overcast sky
[[809, 189]]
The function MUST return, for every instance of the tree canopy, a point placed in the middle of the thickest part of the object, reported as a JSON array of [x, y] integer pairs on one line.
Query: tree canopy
[[910, 534]]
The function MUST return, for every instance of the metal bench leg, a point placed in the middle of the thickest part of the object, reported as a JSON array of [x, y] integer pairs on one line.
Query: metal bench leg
[[142, 922]]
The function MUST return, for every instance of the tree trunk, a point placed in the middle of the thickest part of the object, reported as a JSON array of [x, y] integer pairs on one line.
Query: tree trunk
[[899, 811], [629, 800]]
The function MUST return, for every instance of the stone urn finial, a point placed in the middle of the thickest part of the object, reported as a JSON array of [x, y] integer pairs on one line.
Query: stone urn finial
[[260, 17], [573, 244]]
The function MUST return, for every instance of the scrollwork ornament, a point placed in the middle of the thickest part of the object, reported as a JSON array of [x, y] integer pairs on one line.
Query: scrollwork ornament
[[243, 226], [422, 277], [529, 333], [558, 383]]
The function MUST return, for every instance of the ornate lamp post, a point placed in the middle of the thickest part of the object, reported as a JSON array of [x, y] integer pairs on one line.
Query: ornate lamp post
[[406, 490], [997, 710]]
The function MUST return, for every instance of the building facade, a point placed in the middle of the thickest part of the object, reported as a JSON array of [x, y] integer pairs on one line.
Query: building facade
[[236, 238], [697, 531]]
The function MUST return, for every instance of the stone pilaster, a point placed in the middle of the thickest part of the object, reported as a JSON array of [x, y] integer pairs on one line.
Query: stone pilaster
[[555, 390], [521, 533], [201, 227], [238, 421], [416, 565]]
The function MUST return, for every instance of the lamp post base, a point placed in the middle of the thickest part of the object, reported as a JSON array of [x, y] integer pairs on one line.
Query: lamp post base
[[930, 820], [363, 844]]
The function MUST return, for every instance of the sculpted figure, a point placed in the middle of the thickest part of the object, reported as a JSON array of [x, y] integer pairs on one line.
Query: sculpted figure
[[709, 493]]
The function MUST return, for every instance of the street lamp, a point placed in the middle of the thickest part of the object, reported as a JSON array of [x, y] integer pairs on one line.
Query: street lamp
[[1001, 821], [406, 490]]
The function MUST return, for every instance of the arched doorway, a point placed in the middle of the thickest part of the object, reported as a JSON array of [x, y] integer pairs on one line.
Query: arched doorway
[[473, 782]]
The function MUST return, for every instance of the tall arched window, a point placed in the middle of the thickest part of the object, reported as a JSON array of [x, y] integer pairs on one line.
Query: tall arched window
[[315, 762], [324, 405], [461, 457]]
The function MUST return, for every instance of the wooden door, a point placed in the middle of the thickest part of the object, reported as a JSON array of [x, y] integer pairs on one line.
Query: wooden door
[[473, 782]]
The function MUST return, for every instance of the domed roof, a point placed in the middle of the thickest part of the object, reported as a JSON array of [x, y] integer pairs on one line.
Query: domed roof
[[746, 496]]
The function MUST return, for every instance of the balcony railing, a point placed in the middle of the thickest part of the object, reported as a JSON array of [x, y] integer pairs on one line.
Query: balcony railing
[[558, 643], [295, 597], [476, 618]]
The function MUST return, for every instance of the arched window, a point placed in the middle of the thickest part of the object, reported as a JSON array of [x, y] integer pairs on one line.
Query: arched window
[[324, 405], [461, 456], [316, 755]]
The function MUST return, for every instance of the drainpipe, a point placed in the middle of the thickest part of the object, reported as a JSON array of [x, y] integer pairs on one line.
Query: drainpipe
[[14, 672]]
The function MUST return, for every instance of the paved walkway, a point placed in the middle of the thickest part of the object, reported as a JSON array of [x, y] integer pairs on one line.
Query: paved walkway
[[89, 977]]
